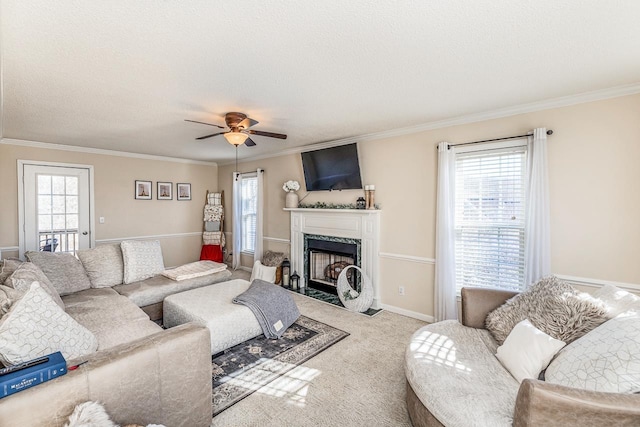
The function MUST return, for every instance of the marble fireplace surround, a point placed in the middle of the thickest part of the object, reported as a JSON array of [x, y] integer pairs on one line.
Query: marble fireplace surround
[[359, 224]]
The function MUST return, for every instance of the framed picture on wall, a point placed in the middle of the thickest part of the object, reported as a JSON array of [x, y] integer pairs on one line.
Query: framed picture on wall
[[165, 191], [183, 191], [143, 190]]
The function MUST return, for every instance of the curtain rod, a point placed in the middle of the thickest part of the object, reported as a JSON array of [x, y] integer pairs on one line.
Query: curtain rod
[[549, 132], [255, 171]]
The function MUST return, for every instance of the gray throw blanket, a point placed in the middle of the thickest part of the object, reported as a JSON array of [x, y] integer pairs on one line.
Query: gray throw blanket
[[273, 307]]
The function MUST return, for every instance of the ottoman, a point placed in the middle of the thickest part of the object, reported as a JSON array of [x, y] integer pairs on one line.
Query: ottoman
[[211, 306]]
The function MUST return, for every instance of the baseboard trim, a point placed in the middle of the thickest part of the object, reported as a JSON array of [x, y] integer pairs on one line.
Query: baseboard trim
[[597, 283], [410, 258], [152, 236], [408, 313]]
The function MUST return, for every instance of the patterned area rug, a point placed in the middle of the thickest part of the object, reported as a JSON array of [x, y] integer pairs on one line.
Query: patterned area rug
[[245, 368]]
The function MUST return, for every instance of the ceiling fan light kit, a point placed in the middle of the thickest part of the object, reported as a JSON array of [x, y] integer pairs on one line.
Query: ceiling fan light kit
[[236, 138], [239, 125]]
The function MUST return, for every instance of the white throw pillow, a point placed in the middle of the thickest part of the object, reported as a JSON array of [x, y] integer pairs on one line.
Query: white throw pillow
[[527, 351], [262, 272], [142, 259], [607, 359], [617, 300], [36, 326]]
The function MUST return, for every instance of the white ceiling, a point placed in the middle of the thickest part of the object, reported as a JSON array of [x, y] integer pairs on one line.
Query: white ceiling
[[123, 74]]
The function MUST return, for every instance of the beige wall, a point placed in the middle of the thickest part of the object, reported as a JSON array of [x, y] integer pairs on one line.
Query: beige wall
[[594, 175], [125, 217]]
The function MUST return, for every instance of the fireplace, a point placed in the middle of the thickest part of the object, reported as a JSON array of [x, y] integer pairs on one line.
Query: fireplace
[[359, 227], [325, 257]]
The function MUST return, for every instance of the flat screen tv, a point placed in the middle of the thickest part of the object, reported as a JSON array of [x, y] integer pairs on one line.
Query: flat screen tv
[[334, 168]]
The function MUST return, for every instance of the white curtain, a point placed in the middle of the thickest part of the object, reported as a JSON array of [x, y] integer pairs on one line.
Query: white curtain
[[446, 306], [257, 254], [537, 231], [237, 220]]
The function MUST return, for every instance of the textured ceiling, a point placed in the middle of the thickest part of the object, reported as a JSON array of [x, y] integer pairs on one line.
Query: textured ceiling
[[123, 74]]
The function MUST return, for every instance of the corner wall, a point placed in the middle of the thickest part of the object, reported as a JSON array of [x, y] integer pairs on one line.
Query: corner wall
[[594, 179], [177, 224]]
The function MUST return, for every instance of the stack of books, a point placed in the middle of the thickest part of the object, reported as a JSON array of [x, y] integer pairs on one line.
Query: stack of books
[[28, 374]]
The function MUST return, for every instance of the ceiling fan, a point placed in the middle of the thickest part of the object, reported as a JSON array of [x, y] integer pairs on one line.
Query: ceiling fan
[[239, 132]]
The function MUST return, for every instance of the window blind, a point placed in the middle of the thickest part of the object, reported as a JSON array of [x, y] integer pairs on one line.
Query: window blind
[[249, 193], [489, 219]]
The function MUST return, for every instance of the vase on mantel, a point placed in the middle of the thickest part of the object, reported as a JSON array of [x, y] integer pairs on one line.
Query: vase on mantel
[[291, 199]]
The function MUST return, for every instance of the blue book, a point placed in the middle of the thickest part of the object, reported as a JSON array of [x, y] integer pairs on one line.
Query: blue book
[[28, 374]]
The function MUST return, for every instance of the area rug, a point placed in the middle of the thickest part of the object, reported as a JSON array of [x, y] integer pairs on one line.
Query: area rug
[[245, 368]]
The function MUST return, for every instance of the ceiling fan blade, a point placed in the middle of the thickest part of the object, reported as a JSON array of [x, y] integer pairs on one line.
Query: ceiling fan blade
[[247, 123], [209, 136], [269, 134], [203, 123], [249, 143]]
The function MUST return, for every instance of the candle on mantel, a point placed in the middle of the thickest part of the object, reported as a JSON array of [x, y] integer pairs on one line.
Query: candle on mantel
[[372, 197], [366, 196]]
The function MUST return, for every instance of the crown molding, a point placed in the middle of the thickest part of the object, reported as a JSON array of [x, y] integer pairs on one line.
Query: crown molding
[[100, 151], [563, 101]]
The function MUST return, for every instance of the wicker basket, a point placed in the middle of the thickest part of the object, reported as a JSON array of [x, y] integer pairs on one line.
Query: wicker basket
[[358, 302]]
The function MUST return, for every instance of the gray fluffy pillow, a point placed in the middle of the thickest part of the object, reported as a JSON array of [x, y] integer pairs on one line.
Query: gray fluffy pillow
[[552, 306]]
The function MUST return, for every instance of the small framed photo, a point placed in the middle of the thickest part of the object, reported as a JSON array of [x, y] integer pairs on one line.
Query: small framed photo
[[143, 190], [165, 191], [184, 191]]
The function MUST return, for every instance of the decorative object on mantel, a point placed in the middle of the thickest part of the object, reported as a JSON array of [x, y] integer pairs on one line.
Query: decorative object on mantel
[[323, 205], [361, 203], [352, 299], [370, 196], [291, 200]]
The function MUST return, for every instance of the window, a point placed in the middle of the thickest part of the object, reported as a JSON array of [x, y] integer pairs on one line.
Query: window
[[490, 218], [249, 207]]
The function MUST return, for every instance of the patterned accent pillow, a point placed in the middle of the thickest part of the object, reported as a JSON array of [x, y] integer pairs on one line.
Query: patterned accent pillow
[[103, 264], [141, 260], [26, 274], [64, 271], [607, 359], [36, 326], [552, 306]]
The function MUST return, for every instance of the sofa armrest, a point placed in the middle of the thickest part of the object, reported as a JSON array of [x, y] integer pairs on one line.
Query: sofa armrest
[[477, 303], [543, 404], [164, 378]]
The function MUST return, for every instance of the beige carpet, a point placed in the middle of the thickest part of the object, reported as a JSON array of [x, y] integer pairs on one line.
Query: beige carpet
[[356, 382]]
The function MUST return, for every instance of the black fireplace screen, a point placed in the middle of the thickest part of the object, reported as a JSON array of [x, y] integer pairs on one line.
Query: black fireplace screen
[[326, 257]]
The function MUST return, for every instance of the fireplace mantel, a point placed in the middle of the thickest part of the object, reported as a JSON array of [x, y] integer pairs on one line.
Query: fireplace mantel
[[363, 224]]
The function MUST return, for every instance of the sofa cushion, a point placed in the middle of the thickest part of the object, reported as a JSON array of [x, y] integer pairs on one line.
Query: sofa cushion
[[552, 306], [458, 378], [26, 274], [111, 317], [8, 297], [527, 351], [155, 289], [63, 270], [617, 300], [7, 267], [142, 259], [35, 326], [103, 265], [607, 359]]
